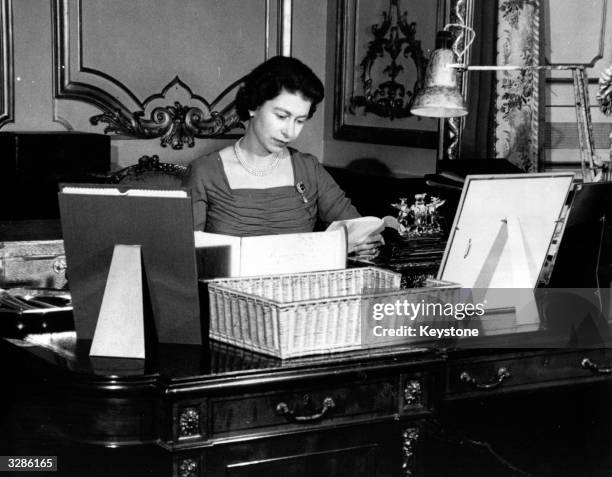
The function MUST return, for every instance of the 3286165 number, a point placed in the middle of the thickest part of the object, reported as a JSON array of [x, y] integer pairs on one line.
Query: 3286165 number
[[24, 463]]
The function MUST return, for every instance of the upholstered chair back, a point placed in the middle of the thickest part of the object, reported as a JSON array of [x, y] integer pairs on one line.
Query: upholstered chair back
[[149, 171]]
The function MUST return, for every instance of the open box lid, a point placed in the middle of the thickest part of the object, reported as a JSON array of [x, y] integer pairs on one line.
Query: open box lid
[[584, 255], [503, 229]]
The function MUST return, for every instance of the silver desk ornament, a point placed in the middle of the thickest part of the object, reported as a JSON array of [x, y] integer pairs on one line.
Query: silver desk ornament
[[420, 219]]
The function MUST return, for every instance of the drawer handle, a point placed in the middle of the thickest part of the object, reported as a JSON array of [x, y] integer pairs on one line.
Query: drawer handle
[[59, 265], [595, 368], [502, 374], [283, 410]]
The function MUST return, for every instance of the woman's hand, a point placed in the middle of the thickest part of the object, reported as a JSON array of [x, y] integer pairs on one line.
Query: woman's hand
[[369, 247]]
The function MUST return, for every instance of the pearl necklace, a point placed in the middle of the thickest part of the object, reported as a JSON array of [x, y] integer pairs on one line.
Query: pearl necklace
[[253, 170]]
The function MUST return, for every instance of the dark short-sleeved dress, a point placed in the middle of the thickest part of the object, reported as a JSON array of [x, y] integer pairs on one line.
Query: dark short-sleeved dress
[[244, 212]]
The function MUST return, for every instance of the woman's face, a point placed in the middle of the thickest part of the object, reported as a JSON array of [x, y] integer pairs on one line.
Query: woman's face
[[279, 121]]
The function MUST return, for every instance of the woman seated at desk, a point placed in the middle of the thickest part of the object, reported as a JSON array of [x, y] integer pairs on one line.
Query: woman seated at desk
[[260, 185]]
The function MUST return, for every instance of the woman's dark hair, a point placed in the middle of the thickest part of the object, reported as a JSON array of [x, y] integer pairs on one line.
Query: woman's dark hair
[[268, 79]]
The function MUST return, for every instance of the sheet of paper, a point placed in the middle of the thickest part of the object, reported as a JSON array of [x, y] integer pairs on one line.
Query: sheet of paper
[[358, 229], [293, 253]]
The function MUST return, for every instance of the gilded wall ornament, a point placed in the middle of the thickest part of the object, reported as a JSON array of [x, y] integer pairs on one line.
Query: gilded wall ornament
[[177, 124]]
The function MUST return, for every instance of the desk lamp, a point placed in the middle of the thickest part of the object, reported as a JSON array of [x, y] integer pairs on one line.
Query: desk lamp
[[440, 97]]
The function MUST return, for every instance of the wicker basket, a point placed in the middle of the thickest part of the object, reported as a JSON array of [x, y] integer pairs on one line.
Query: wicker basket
[[299, 314]]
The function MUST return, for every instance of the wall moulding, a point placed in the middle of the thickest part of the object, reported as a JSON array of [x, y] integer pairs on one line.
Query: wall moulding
[[175, 113], [7, 90]]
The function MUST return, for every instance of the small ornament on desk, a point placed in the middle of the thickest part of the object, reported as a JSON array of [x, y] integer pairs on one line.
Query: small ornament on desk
[[420, 219]]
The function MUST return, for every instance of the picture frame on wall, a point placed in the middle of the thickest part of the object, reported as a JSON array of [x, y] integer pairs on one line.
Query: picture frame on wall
[[382, 49]]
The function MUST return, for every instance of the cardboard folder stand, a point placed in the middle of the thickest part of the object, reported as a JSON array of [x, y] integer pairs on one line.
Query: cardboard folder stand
[[129, 251]]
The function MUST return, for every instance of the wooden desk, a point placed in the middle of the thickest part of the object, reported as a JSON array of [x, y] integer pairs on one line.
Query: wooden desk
[[190, 411], [222, 411]]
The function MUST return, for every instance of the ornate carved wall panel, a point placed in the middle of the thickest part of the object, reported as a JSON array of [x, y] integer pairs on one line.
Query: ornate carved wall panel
[[7, 97], [184, 83]]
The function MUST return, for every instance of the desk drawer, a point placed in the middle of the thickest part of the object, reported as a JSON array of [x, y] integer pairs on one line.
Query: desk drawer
[[358, 395], [487, 374], [305, 407], [366, 450]]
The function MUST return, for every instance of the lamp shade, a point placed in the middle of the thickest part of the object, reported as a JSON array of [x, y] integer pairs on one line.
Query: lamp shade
[[440, 96]]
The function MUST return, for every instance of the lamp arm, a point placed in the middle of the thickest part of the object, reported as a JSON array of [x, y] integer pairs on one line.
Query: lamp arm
[[593, 169]]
